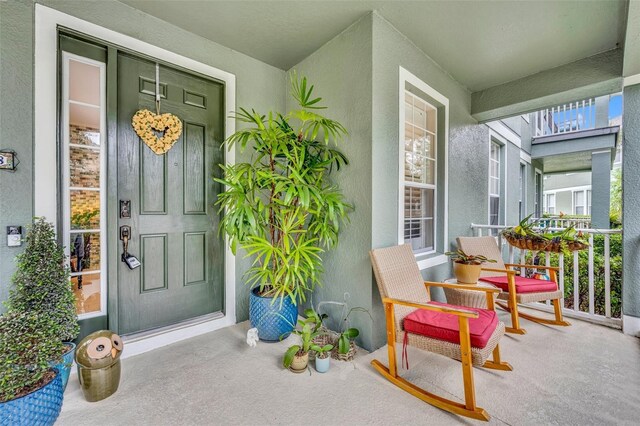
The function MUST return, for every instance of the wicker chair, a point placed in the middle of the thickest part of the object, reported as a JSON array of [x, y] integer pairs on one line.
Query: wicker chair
[[404, 293], [516, 289]]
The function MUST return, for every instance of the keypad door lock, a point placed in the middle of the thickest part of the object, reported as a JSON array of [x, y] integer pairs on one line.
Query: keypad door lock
[[130, 260]]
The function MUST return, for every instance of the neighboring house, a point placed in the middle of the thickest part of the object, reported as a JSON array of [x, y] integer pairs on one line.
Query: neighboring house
[[571, 193]]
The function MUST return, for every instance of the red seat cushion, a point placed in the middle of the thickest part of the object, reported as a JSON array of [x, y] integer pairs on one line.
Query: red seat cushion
[[523, 285], [441, 326]]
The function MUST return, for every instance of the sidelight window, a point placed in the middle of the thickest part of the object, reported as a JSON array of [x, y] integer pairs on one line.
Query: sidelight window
[[84, 180]]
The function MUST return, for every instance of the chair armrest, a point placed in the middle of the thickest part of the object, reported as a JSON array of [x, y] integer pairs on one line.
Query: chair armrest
[[504, 271], [519, 265], [445, 309], [463, 287]]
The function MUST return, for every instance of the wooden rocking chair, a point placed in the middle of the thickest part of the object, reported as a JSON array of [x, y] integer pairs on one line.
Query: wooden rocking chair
[[516, 289], [448, 330]]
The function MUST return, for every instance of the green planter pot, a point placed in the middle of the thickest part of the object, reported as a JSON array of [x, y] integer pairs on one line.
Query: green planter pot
[[99, 377]]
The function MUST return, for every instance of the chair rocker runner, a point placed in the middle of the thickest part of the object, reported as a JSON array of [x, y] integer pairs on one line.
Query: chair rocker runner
[[469, 335], [516, 289]]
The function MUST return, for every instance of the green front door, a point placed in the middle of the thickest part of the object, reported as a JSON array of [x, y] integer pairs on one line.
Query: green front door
[[174, 225]]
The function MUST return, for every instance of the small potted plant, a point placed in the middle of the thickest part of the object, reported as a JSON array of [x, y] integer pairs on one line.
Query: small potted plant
[[42, 286], [346, 346], [323, 357], [467, 267], [31, 391], [296, 358]]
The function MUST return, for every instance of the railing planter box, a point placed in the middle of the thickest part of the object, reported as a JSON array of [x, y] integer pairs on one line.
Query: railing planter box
[[539, 243]]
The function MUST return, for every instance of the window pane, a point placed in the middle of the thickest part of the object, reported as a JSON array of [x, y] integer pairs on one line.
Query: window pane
[[419, 114], [494, 210], [84, 252], [432, 116], [85, 209], [430, 166], [84, 167], [419, 217], [86, 79], [88, 292], [408, 112], [82, 135]]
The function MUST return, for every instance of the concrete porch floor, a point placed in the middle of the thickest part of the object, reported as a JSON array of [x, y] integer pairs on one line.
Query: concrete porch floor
[[584, 374]]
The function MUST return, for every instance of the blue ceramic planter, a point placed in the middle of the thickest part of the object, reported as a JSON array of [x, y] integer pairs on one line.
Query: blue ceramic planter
[[64, 365], [322, 365], [40, 407], [274, 323]]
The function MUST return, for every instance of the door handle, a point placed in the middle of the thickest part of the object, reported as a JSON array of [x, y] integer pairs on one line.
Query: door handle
[[125, 235]]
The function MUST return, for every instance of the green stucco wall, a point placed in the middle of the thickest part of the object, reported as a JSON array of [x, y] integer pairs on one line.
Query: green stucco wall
[[258, 85], [631, 202], [341, 73], [467, 175]]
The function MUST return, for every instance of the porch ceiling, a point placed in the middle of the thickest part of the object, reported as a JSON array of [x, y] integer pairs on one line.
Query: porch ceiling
[[480, 43]]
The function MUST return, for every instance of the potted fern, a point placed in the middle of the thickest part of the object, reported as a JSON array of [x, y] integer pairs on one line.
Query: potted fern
[[467, 267], [31, 390], [42, 286], [281, 207]]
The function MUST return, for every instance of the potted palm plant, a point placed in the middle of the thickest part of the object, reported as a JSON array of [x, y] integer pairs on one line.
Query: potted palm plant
[[42, 286], [31, 390], [467, 267], [281, 207]]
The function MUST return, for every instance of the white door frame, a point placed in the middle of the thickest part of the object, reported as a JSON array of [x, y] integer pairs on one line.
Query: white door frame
[[47, 21]]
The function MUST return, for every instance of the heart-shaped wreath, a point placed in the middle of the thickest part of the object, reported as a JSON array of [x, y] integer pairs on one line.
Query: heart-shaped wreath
[[145, 123]]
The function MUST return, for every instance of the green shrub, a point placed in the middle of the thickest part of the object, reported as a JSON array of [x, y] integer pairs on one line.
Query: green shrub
[[42, 282], [28, 343], [615, 274]]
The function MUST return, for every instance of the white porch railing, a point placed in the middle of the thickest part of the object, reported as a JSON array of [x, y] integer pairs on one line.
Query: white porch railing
[[571, 304], [566, 118], [560, 222]]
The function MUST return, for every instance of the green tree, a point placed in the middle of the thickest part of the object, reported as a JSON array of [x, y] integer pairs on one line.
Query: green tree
[[616, 197], [41, 283], [282, 207]]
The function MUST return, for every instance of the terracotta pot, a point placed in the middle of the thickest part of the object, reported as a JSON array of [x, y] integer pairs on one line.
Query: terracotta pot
[[300, 362], [466, 274]]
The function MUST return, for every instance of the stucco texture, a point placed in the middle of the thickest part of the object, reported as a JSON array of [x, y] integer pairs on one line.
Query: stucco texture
[[467, 176], [341, 74], [631, 202], [258, 85]]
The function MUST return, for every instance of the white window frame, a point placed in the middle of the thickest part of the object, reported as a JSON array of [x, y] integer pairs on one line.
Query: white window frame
[[425, 260], [539, 196], [419, 185], [585, 205], [66, 178], [522, 202], [500, 183], [546, 203]]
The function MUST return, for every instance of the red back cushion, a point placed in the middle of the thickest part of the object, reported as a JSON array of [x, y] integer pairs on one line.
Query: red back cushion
[[441, 326], [523, 285]]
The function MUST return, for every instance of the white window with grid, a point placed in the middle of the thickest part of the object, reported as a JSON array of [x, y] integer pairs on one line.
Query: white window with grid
[[578, 202], [550, 203], [494, 184], [419, 175], [589, 202]]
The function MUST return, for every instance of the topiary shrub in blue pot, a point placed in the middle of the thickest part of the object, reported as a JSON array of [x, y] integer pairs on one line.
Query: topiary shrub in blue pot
[[282, 208], [42, 285], [31, 392]]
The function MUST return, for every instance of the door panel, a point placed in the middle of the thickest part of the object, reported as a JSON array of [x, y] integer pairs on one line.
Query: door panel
[[173, 221]]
